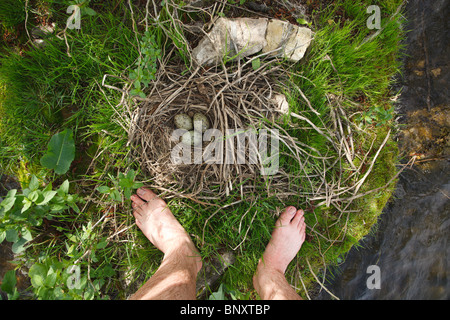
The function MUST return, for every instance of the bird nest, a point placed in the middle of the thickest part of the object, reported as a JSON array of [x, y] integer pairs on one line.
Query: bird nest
[[233, 155]]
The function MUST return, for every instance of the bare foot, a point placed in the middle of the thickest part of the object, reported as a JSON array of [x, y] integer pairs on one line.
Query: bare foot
[[160, 226], [287, 239]]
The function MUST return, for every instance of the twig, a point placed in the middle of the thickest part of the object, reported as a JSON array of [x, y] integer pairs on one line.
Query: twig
[[318, 281]]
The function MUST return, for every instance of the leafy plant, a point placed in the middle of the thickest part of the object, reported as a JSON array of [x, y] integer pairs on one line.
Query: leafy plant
[[124, 183], [9, 285], [52, 279], [60, 152], [384, 115], [146, 65], [303, 21], [256, 63], [19, 213], [376, 114], [83, 4], [226, 293]]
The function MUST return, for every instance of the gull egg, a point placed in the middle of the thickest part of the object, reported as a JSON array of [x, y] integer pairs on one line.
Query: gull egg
[[183, 121], [192, 138], [201, 122]]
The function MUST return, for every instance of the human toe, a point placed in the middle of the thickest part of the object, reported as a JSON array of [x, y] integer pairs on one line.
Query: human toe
[[287, 215], [298, 217], [145, 194]]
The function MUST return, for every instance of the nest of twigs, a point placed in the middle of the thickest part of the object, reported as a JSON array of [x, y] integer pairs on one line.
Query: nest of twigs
[[236, 96], [239, 99]]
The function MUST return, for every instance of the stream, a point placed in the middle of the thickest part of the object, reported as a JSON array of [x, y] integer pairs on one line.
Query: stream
[[409, 245]]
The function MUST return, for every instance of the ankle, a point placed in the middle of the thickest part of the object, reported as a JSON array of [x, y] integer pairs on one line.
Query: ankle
[[266, 280], [271, 265], [185, 254]]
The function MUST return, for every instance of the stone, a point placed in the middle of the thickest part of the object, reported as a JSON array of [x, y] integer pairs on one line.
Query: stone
[[242, 37], [287, 40], [278, 33], [298, 43], [281, 103], [41, 32], [236, 38]]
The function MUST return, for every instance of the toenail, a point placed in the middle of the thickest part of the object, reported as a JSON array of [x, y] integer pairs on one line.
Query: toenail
[[141, 191], [291, 210]]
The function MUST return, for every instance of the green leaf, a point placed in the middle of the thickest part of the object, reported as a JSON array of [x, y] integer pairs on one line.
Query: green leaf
[[102, 244], [219, 294], [9, 201], [127, 193], [19, 245], [33, 196], [48, 195], [12, 235], [131, 174], [74, 207], [126, 183], [50, 279], [64, 187], [26, 205], [2, 236], [9, 282], [104, 189], [60, 152], [137, 185], [34, 183], [302, 21], [89, 11], [37, 273], [26, 234], [115, 195], [256, 63]]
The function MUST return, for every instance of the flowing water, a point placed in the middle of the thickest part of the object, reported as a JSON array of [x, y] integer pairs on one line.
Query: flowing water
[[409, 245]]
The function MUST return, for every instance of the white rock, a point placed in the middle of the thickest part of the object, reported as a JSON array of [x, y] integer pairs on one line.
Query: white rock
[[282, 105], [278, 32], [298, 43], [231, 37], [243, 37], [287, 40]]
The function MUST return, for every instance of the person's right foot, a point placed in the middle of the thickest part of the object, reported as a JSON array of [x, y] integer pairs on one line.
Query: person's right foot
[[287, 239], [160, 226]]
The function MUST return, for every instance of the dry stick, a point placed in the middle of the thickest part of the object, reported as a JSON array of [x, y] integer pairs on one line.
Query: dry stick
[[307, 101], [312, 125], [379, 188], [303, 284], [317, 279], [245, 236], [172, 97], [359, 183], [348, 153]]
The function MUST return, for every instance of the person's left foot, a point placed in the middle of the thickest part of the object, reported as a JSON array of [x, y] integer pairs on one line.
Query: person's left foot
[[159, 225]]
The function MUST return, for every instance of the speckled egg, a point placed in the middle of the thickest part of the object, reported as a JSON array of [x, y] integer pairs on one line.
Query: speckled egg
[[201, 122], [183, 121], [192, 138]]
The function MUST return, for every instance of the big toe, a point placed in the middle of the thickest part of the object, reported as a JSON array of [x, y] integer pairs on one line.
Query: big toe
[[287, 215], [146, 194]]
